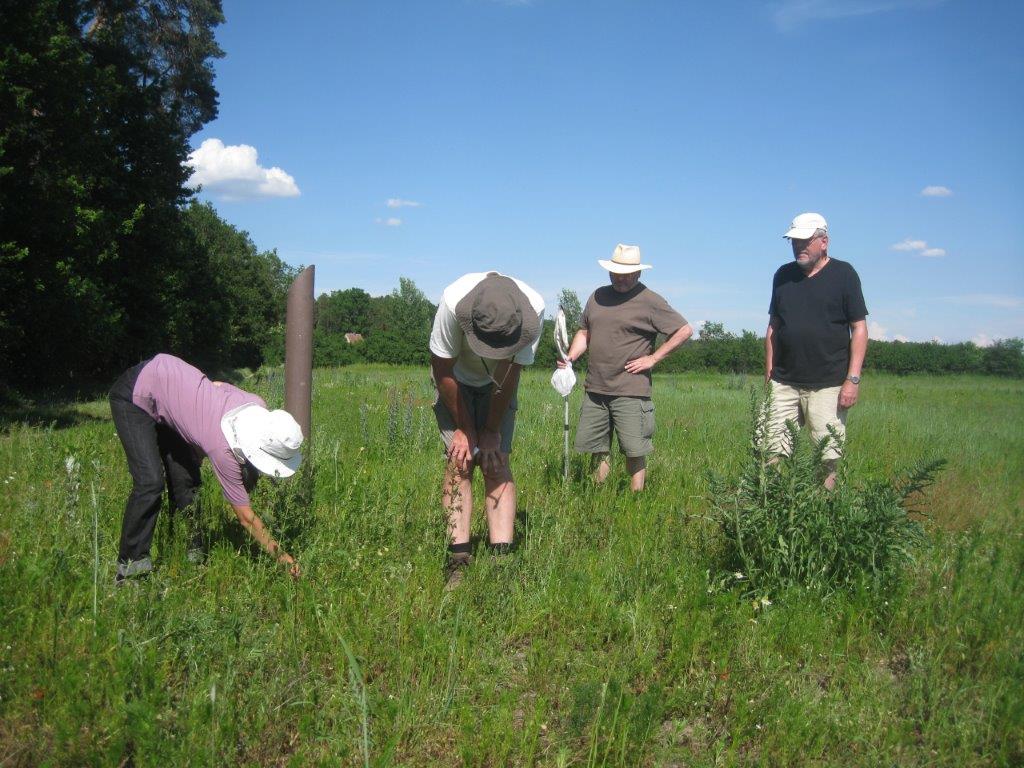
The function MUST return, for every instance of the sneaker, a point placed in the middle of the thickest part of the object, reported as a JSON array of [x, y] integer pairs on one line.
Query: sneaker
[[456, 569], [133, 569]]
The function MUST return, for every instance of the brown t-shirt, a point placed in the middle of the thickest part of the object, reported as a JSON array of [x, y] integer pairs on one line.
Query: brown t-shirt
[[623, 327]]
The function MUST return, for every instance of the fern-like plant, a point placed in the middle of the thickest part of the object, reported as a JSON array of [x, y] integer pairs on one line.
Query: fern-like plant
[[784, 529]]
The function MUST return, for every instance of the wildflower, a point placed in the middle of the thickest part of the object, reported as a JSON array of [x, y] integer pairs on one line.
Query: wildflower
[[739, 575]]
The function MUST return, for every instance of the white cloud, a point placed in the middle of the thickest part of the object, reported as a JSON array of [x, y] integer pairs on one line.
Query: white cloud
[[793, 13], [999, 301], [936, 192], [982, 340], [877, 331], [910, 245], [390, 222], [234, 173], [918, 246], [937, 340], [900, 337], [397, 202]]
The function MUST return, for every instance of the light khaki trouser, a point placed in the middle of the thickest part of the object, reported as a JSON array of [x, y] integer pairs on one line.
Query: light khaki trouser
[[819, 408]]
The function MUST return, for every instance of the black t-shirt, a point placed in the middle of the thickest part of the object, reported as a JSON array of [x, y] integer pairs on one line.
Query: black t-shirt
[[811, 345]]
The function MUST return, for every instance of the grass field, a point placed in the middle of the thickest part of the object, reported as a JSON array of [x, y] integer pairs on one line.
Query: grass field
[[596, 643]]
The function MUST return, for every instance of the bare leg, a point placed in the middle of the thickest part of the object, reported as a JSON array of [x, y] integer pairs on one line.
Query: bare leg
[[457, 497], [500, 505], [637, 468], [602, 466], [830, 476]]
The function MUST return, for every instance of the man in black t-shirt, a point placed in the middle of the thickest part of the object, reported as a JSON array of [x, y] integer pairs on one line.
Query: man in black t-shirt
[[816, 339]]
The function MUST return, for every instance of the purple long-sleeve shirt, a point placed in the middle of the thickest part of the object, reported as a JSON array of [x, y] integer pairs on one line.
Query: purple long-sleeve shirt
[[180, 396]]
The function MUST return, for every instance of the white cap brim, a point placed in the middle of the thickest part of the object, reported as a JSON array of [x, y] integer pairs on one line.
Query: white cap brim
[[246, 434], [621, 269], [800, 233]]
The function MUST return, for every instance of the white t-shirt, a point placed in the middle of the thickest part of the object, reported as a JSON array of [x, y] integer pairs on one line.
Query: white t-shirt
[[448, 340]]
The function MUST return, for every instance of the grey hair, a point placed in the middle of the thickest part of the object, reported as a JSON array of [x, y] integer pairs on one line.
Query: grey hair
[[819, 233]]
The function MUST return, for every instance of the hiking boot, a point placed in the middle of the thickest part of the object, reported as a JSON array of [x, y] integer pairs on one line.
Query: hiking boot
[[455, 569], [133, 569]]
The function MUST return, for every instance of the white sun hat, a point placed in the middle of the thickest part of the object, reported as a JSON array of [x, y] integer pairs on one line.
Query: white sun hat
[[805, 225], [625, 260], [269, 440]]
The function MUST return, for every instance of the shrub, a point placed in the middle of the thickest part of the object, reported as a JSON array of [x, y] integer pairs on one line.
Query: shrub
[[782, 528]]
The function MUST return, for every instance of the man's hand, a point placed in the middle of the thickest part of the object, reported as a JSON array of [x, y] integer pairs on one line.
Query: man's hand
[[641, 364], [561, 363], [492, 460], [289, 562], [460, 453], [848, 394]]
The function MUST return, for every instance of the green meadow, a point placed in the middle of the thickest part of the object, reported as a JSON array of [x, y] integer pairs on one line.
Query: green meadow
[[597, 643]]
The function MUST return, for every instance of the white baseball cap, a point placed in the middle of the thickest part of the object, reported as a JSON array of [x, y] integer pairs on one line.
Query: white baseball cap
[[805, 225], [269, 440]]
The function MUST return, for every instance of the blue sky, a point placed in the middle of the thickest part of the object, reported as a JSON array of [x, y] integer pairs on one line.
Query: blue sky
[[430, 138]]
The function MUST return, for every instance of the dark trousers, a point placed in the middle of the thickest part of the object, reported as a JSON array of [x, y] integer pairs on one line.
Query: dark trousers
[[157, 456]]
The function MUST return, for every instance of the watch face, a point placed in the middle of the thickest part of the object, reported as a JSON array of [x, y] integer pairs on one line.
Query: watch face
[[855, 379]]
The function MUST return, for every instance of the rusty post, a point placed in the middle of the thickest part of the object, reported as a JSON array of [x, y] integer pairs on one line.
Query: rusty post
[[298, 352]]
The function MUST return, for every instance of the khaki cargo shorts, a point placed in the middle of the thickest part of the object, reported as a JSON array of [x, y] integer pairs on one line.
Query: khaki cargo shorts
[[478, 403], [818, 408], [632, 419]]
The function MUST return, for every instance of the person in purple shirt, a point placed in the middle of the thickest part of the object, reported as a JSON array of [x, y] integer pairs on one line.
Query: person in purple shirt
[[169, 415]]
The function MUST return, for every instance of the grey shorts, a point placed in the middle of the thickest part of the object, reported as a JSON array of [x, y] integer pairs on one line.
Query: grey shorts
[[478, 403], [632, 418]]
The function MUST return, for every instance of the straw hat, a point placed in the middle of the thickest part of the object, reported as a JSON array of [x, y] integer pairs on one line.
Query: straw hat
[[625, 260]]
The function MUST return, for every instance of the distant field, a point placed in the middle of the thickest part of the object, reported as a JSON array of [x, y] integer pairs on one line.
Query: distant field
[[597, 643]]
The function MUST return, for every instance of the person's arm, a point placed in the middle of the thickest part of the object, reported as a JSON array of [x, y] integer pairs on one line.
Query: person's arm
[[645, 363], [769, 347], [577, 348], [465, 439], [858, 348], [491, 457], [252, 523]]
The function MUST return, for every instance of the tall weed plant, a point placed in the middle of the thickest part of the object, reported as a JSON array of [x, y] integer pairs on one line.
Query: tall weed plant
[[783, 529]]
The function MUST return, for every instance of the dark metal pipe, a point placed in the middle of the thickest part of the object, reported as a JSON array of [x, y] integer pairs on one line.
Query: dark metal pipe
[[298, 352]]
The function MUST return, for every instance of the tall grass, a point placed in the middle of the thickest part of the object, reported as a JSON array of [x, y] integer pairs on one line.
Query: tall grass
[[596, 643]]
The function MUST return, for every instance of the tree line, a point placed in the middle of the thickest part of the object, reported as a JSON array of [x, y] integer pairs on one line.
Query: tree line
[[396, 329]]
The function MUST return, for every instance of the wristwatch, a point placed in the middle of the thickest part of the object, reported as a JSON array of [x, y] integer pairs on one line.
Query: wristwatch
[[854, 379]]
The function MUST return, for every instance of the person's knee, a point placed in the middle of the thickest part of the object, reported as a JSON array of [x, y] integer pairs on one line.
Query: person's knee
[[498, 476], [458, 472], [147, 485]]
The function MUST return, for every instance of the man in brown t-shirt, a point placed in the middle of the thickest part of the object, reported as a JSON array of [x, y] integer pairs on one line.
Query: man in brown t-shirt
[[619, 325]]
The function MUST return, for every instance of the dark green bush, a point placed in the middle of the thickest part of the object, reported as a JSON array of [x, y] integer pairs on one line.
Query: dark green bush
[[784, 529]]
